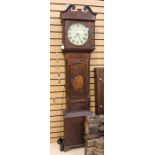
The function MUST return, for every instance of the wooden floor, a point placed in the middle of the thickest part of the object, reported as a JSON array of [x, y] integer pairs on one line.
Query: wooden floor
[[55, 150]]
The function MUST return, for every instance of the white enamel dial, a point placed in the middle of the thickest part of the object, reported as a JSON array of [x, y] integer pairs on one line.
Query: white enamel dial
[[78, 34]]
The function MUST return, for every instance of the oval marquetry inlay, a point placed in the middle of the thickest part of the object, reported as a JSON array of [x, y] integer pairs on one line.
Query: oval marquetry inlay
[[78, 82]]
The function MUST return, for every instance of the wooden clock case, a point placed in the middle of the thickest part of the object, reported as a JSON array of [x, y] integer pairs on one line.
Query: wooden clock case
[[86, 17], [77, 60]]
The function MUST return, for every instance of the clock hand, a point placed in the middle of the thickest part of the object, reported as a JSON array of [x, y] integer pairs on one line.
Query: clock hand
[[76, 35], [79, 37]]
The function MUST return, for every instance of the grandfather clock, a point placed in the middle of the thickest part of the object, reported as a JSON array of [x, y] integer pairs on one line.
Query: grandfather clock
[[78, 28]]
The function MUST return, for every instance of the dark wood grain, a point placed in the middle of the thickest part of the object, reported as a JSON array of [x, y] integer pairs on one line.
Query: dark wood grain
[[85, 17], [74, 128], [99, 90], [77, 83], [77, 63]]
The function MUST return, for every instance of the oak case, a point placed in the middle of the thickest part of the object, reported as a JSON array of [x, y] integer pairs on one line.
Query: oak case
[[86, 17], [77, 64]]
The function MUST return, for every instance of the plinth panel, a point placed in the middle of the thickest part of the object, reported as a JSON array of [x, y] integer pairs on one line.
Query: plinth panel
[[74, 128]]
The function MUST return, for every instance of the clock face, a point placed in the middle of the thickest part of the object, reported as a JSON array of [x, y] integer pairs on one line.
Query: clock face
[[78, 34]]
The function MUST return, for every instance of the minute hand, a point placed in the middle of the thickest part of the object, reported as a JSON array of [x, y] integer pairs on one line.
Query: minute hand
[[79, 37]]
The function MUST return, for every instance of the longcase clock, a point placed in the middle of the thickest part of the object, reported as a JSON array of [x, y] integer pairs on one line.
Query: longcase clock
[[78, 28]]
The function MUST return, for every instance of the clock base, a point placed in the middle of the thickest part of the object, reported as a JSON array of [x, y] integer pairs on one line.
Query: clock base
[[74, 129], [68, 148]]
